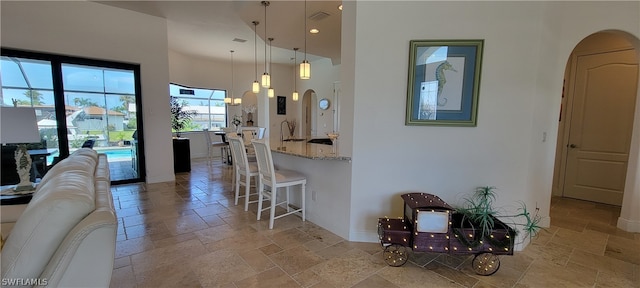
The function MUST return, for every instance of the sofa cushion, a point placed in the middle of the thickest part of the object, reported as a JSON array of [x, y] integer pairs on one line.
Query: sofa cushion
[[58, 205], [81, 159]]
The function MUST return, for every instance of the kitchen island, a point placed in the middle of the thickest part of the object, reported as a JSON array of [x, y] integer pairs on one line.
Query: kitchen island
[[328, 190], [313, 151]]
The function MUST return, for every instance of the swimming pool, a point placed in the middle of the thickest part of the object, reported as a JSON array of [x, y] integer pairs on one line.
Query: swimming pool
[[113, 154]]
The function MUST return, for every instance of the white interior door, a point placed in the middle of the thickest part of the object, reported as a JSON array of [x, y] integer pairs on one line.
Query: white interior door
[[605, 86]]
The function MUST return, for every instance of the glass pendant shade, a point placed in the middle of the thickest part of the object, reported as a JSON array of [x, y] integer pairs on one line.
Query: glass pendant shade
[[237, 101], [227, 100], [266, 80], [271, 93], [305, 70], [294, 96], [256, 87]]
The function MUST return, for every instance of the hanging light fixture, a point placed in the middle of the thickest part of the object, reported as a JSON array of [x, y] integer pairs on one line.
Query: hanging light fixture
[[232, 101], [266, 78], [305, 66], [271, 93], [255, 88], [227, 98], [294, 95]]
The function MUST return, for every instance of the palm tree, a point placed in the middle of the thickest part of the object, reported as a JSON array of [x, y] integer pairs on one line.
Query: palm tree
[[35, 98], [126, 100]]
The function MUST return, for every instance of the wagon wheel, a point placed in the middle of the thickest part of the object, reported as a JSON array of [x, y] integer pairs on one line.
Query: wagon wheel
[[485, 264], [395, 255]]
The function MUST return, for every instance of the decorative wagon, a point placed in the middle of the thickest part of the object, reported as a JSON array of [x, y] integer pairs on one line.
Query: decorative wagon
[[430, 225]]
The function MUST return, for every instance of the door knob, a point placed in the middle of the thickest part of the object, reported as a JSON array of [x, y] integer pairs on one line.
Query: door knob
[[573, 146]]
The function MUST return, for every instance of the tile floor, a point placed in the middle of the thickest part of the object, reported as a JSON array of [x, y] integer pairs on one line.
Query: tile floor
[[189, 234]]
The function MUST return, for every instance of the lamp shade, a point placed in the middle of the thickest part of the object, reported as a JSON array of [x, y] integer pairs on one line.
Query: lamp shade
[[266, 80], [256, 87], [305, 70], [19, 125]]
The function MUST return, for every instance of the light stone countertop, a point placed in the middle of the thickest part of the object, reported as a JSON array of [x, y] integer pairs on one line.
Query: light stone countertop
[[307, 150]]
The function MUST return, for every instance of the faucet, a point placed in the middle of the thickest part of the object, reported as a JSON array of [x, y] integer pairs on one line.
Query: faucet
[[282, 135]]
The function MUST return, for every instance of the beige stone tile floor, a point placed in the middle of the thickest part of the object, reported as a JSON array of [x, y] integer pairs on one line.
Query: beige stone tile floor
[[189, 233]]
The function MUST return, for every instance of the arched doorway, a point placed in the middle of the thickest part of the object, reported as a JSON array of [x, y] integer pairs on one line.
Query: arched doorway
[[309, 110], [597, 119]]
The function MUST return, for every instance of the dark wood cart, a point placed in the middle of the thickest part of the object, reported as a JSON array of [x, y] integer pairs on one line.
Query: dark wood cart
[[430, 225]]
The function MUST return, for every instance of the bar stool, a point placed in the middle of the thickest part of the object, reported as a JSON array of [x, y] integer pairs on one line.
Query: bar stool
[[268, 176], [242, 167], [224, 146]]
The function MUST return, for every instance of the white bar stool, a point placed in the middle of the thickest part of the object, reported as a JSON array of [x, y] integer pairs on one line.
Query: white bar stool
[[275, 179], [242, 167]]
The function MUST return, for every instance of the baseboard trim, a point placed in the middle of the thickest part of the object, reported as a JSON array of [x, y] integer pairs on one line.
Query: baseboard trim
[[364, 236], [628, 225]]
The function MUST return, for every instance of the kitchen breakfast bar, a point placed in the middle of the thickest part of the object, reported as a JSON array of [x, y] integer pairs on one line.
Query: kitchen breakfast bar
[[328, 190]]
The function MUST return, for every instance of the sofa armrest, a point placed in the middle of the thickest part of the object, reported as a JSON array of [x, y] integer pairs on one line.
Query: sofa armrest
[[85, 258]]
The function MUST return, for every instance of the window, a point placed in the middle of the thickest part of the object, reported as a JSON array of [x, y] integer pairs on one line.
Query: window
[[208, 104], [94, 101]]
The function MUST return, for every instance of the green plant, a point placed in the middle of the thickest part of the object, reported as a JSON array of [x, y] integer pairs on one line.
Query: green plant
[[179, 116], [482, 216]]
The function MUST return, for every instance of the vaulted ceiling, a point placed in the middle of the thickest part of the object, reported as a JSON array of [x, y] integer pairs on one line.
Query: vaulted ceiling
[[210, 29]]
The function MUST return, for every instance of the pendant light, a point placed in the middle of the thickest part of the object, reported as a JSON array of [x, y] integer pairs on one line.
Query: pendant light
[[232, 101], [271, 93], [266, 78], [255, 88], [227, 98], [305, 66], [294, 95]]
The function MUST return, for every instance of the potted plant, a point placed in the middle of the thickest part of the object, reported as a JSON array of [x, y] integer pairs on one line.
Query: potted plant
[[480, 224], [179, 116]]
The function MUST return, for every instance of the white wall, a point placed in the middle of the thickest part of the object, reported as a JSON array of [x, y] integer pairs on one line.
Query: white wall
[[93, 30], [526, 48]]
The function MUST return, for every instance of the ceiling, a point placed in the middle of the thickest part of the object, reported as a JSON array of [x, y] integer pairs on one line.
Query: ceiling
[[208, 28]]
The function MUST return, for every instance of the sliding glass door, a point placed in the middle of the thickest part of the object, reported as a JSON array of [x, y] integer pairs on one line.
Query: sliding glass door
[[80, 103]]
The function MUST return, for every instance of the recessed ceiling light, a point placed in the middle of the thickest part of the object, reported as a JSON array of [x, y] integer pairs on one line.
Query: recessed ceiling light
[[314, 31]]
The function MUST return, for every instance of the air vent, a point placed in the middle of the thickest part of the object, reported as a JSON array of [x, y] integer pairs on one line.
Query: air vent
[[319, 16], [239, 40]]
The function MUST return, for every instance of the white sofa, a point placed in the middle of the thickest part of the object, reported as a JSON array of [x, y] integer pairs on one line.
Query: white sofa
[[66, 235]]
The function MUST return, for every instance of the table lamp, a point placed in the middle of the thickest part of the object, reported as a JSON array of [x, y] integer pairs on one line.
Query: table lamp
[[19, 126]]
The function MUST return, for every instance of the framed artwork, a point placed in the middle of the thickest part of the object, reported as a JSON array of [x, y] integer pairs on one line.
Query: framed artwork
[[282, 105], [444, 80]]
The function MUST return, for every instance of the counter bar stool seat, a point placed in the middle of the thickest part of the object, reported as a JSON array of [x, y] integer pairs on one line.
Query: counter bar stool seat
[[224, 146], [274, 179], [243, 170]]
